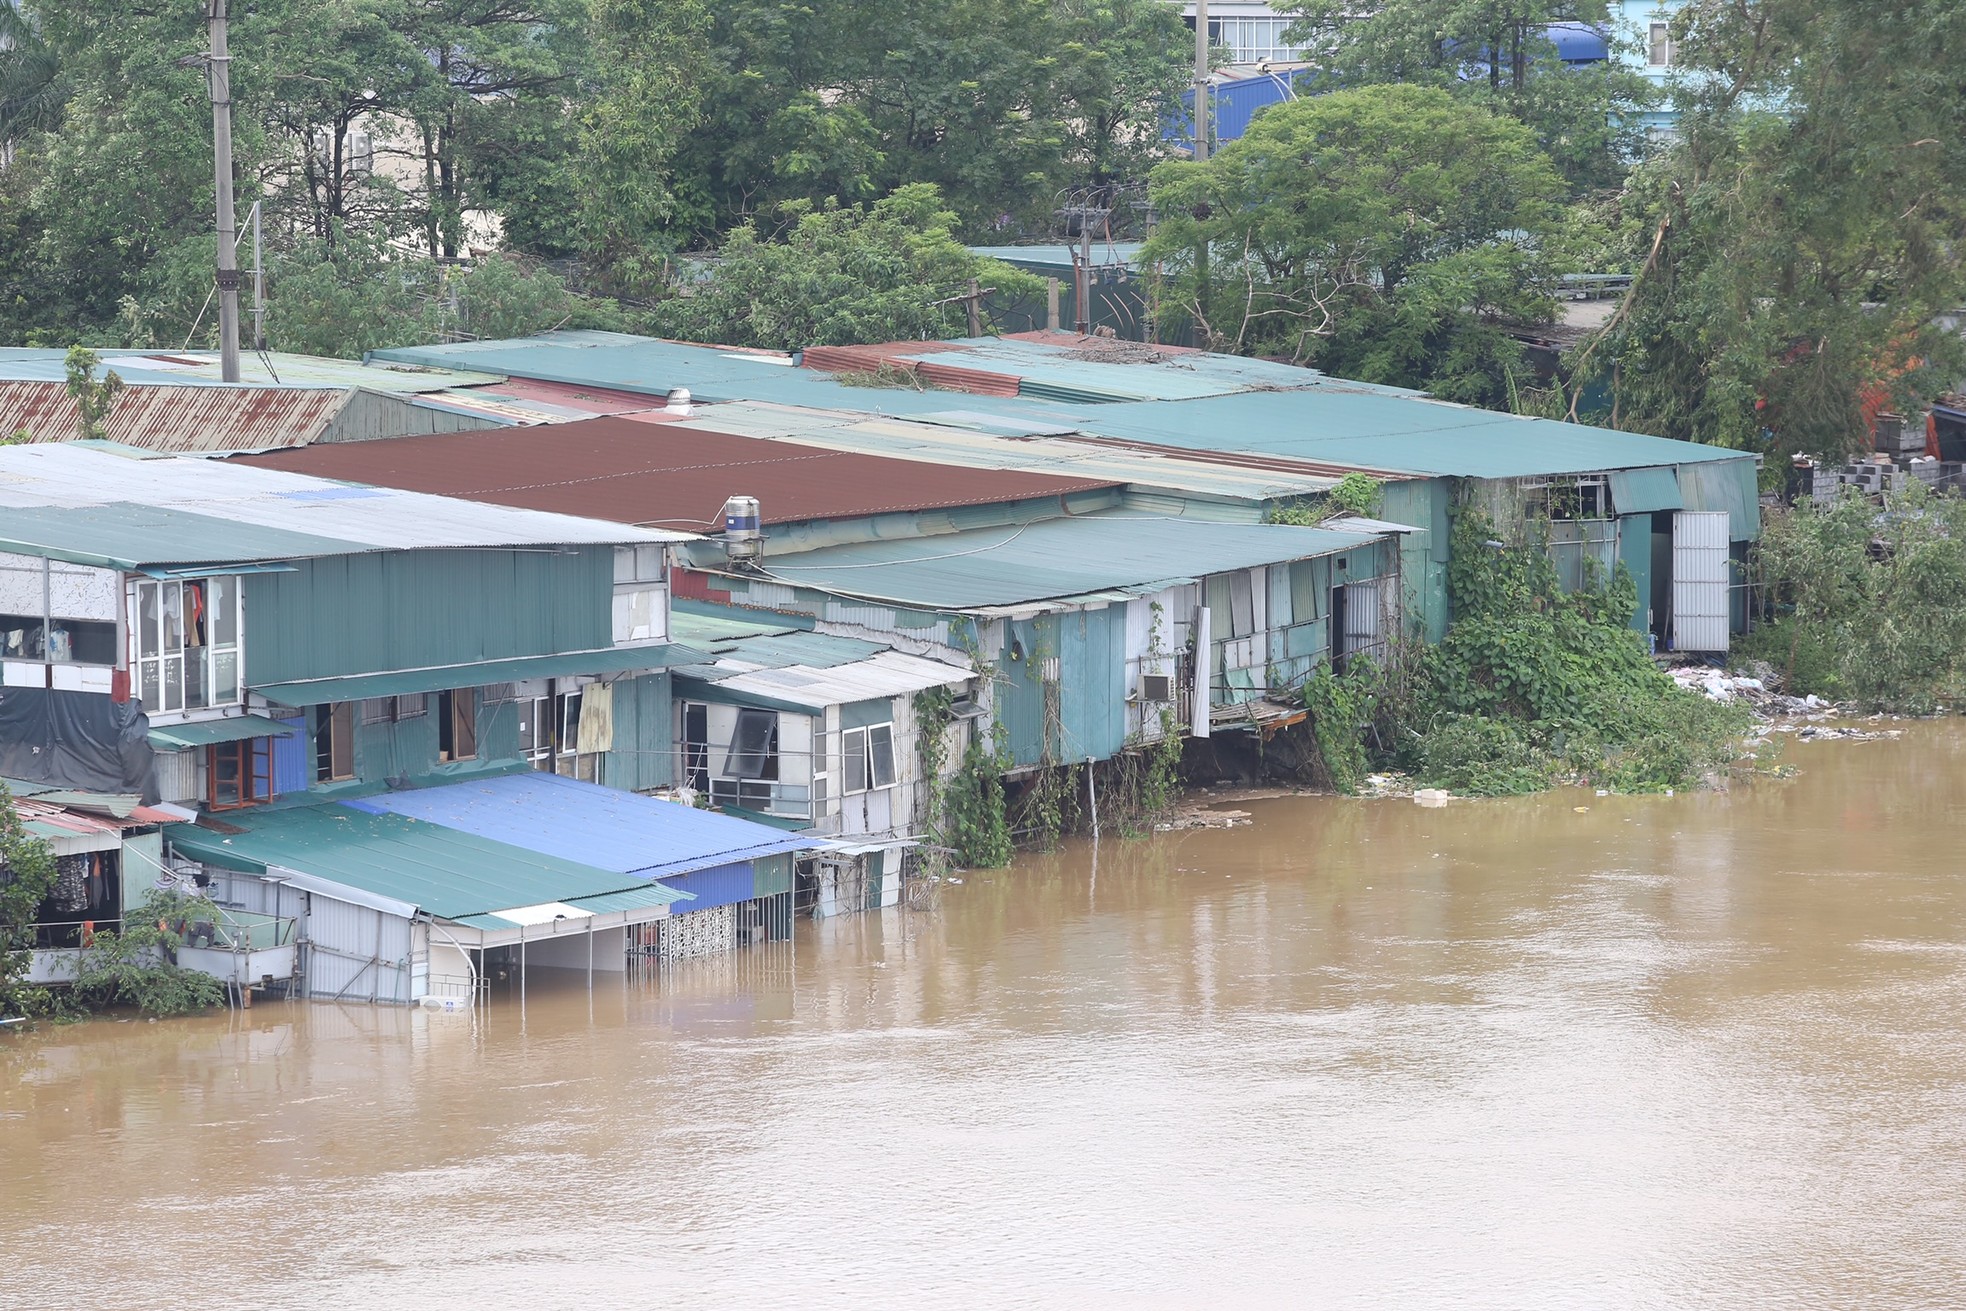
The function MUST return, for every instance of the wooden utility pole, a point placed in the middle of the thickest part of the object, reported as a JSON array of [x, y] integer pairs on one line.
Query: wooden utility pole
[[218, 79], [974, 304], [1201, 79]]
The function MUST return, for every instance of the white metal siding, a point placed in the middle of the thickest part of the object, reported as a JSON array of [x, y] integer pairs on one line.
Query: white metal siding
[[1700, 570], [180, 776], [356, 953]]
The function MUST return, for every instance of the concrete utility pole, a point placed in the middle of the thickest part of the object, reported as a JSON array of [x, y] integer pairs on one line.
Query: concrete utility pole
[[218, 79], [1201, 78]]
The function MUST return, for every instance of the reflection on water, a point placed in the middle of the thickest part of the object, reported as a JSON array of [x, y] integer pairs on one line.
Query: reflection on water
[[1661, 1053]]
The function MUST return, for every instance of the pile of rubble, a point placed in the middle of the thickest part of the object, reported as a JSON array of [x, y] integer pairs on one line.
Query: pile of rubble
[[1800, 715], [1749, 690]]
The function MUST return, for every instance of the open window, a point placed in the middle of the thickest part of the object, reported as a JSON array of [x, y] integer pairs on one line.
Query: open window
[[753, 750], [334, 742], [239, 773], [867, 758], [457, 724]]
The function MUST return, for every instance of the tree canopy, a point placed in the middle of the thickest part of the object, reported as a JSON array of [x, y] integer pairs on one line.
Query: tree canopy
[[1798, 247], [384, 138], [839, 275], [1496, 54], [1376, 233]]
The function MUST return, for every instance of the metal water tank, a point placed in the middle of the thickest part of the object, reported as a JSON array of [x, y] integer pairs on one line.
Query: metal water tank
[[743, 528]]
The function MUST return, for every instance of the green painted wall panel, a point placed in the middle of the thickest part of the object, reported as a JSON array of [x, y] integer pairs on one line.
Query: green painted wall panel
[[772, 875], [1019, 693], [359, 614], [1635, 553], [1423, 503], [396, 750], [644, 735], [1092, 677]]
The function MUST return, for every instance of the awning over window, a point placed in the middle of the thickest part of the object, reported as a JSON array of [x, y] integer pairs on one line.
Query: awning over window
[[1643, 491], [408, 682], [210, 732]]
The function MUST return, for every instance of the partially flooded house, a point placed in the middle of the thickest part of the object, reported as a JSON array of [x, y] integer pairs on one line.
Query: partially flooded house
[[278, 662]]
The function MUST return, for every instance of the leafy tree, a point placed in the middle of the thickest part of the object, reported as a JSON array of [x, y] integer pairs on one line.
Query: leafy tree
[[137, 965], [93, 396], [646, 57], [1799, 245], [27, 875], [841, 275], [30, 80], [1872, 599], [1375, 233], [350, 298], [1496, 54], [999, 103]]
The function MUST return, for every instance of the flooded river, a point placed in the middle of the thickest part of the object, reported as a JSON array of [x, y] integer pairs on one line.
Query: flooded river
[[1698, 1051]]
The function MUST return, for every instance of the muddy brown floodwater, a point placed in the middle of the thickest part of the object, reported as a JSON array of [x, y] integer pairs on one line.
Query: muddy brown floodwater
[[1699, 1051]]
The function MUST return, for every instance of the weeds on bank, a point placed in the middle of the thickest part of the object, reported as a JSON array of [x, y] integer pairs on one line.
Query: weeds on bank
[[1532, 686]]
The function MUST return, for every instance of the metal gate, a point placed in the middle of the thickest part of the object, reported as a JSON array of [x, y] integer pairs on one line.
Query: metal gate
[[1700, 569]]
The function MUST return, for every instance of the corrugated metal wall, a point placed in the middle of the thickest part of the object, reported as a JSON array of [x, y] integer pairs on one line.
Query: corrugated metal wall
[[1092, 676], [357, 954], [1020, 690], [180, 775], [1635, 553], [358, 614], [396, 750], [293, 759], [370, 415], [719, 885], [1423, 503], [1730, 485], [644, 735]]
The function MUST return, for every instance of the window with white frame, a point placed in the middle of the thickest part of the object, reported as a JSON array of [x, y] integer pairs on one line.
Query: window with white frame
[[549, 736], [867, 758], [641, 595], [187, 643], [1250, 40], [1661, 49]]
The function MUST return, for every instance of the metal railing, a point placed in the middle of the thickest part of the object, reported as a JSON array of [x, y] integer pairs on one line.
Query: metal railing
[[223, 930]]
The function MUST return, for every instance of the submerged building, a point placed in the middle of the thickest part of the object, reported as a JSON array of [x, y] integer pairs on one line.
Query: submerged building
[[270, 666]]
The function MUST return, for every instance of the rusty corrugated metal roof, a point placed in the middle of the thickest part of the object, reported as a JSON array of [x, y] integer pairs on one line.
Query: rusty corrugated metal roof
[[184, 419], [632, 471]]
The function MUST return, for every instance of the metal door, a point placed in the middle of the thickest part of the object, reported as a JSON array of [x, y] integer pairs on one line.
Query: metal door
[[1700, 577]]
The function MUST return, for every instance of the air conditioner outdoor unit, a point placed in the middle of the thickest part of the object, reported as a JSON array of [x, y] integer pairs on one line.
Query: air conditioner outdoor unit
[[1156, 687]]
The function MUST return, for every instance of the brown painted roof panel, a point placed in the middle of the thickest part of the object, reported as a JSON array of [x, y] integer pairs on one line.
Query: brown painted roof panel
[[630, 470]]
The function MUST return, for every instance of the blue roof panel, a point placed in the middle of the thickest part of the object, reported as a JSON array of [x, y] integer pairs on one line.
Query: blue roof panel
[[598, 826]]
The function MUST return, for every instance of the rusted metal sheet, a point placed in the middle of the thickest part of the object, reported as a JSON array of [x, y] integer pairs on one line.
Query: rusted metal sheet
[[187, 419], [628, 471]]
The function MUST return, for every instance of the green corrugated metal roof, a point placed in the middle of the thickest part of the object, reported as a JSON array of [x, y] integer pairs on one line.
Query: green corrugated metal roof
[[407, 682], [447, 872], [124, 535], [1292, 412], [652, 894], [234, 728], [1049, 559], [1373, 430]]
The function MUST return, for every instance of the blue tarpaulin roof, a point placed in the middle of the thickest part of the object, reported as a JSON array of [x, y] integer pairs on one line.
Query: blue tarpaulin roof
[[598, 826]]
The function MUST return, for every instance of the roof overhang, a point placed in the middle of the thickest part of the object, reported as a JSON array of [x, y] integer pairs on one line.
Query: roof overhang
[[437, 678]]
